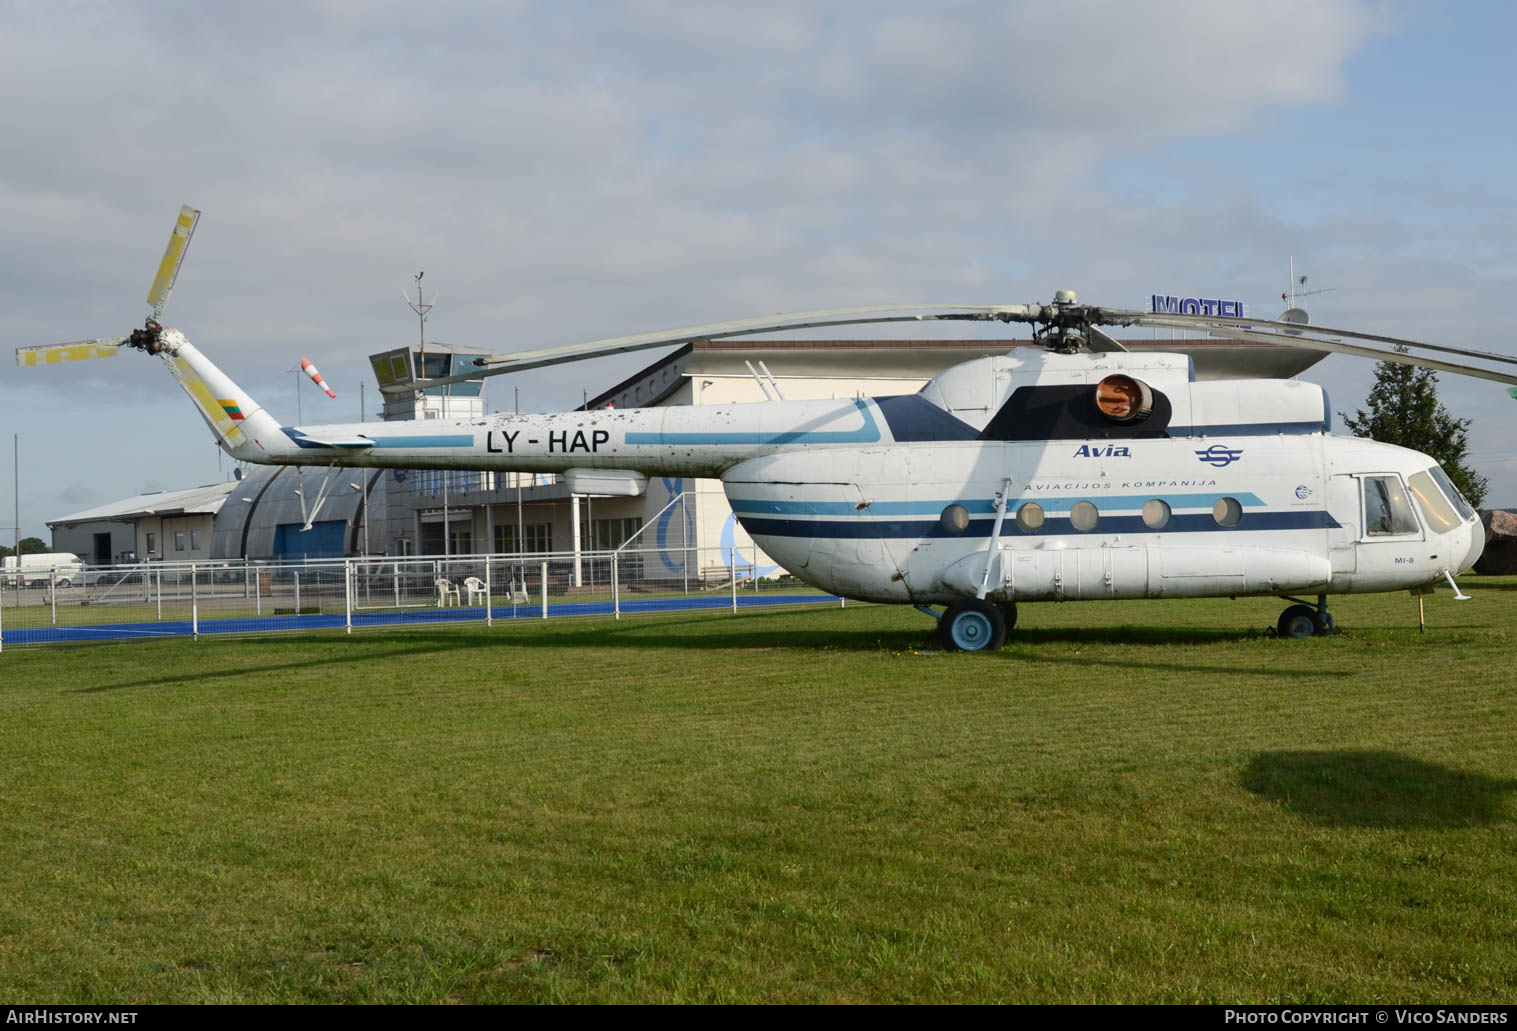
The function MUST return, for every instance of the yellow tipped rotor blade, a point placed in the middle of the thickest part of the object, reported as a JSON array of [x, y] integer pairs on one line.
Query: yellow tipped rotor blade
[[173, 257], [77, 351]]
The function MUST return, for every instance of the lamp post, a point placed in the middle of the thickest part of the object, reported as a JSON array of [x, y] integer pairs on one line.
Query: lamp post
[[16, 469], [363, 496]]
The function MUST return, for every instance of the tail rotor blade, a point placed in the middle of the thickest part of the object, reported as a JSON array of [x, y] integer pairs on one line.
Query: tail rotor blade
[[173, 257], [75, 351]]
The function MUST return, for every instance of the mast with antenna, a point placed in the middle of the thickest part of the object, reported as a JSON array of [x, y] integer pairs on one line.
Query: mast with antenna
[[421, 306], [1291, 293]]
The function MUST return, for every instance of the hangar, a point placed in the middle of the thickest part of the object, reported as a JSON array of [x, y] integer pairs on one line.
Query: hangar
[[172, 526]]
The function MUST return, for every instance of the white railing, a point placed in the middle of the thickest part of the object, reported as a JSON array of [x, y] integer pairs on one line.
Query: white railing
[[160, 599]]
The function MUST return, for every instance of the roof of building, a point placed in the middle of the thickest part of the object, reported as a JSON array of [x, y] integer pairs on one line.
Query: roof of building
[[906, 359], [205, 500]]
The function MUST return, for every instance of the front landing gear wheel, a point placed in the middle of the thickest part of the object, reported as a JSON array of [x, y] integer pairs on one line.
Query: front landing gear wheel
[[1302, 621], [972, 625]]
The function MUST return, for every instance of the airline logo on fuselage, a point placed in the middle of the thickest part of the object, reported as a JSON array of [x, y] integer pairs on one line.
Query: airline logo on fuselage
[[1220, 455], [1109, 451]]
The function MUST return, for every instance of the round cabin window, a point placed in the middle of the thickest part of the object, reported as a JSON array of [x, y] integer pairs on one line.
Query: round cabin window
[[955, 519], [1227, 512]]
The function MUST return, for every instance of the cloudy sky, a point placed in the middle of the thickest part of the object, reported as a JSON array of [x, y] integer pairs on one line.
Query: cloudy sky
[[566, 171]]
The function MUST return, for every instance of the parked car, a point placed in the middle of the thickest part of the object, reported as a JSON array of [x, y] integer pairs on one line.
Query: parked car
[[38, 570]]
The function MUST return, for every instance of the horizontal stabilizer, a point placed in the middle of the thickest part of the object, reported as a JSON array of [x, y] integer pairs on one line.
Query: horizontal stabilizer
[[304, 440], [76, 351], [353, 442]]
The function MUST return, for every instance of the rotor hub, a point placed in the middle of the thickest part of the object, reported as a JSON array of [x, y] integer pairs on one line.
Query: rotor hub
[[149, 338]]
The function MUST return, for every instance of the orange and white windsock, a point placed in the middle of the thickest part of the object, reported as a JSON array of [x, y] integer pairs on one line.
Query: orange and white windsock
[[310, 370]]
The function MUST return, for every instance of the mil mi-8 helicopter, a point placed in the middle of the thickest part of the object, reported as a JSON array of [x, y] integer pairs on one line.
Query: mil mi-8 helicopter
[[1075, 471]]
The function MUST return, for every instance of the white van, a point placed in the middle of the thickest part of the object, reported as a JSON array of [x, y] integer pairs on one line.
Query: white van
[[37, 570]]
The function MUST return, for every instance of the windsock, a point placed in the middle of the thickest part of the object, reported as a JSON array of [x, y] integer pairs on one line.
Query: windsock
[[310, 370]]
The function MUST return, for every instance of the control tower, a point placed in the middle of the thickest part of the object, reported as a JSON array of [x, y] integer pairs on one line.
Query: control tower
[[454, 401]]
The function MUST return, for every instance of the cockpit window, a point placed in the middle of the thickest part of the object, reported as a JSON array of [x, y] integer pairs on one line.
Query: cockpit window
[[1386, 510], [1435, 507], [1442, 479]]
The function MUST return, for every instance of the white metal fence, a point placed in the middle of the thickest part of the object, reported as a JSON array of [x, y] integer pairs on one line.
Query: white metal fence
[[192, 599]]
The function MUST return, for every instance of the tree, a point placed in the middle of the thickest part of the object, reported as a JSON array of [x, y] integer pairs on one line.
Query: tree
[[29, 546], [1404, 410]]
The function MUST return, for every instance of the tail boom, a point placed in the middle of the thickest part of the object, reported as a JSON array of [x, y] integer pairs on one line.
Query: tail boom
[[242, 428]]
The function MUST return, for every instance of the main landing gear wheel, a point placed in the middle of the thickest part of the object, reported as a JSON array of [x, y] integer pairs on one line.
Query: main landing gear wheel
[[972, 625], [1009, 613], [1303, 621]]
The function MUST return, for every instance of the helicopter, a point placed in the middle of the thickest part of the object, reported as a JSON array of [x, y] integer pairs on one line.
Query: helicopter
[[1070, 471]]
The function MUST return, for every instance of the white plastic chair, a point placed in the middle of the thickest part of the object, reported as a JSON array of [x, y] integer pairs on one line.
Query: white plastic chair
[[476, 588], [446, 590]]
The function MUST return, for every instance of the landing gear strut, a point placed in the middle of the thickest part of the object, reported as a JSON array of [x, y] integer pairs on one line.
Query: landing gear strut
[[1304, 620], [972, 625]]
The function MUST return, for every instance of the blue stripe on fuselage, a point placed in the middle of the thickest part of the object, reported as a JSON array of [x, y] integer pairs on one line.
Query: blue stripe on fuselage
[[916, 529], [977, 506], [439, 440]]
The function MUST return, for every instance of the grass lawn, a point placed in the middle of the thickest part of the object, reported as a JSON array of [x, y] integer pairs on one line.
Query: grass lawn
[[1135, 801]]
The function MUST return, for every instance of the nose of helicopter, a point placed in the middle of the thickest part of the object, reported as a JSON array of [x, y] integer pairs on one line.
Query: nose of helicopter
[[1476, 544]]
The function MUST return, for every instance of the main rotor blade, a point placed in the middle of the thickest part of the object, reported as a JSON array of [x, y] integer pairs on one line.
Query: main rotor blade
[[1292, 332], [1339, 347], [524, 360], [173, 257], [75, 351]]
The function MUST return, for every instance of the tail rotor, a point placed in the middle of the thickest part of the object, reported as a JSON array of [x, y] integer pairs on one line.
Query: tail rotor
[[149, 338]]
